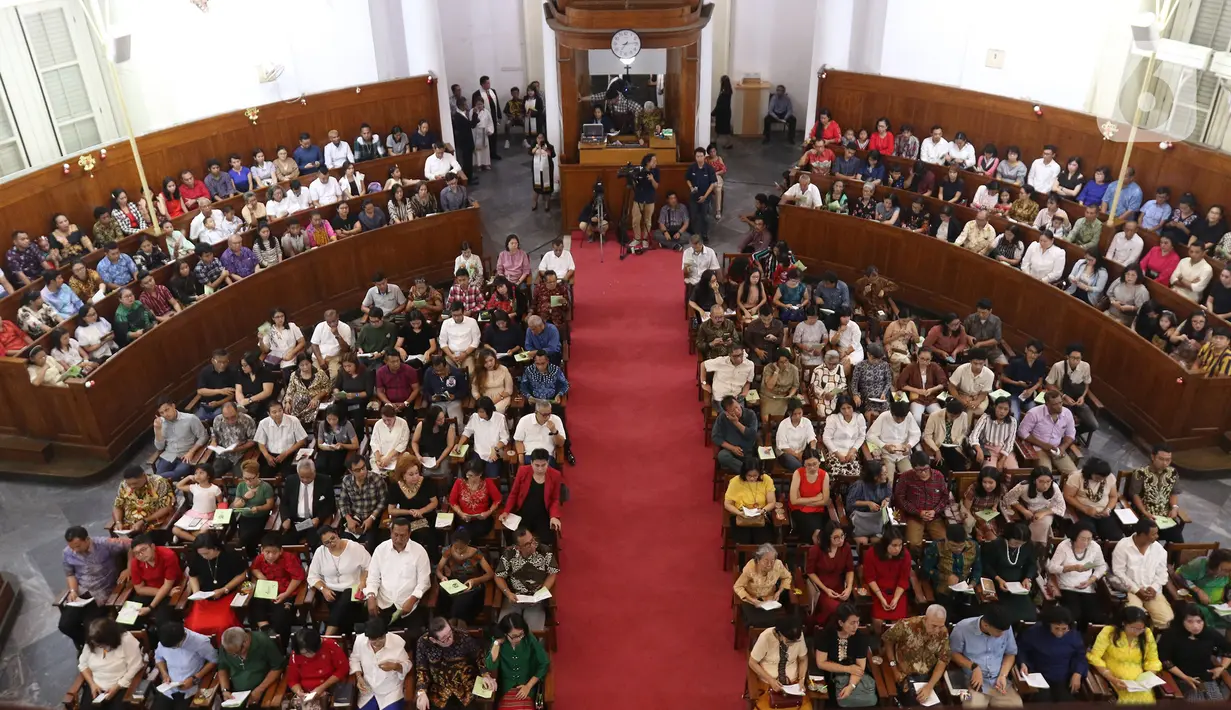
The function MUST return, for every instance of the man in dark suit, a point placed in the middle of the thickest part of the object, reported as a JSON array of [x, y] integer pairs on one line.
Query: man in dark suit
[[463, 139], [307, 504]]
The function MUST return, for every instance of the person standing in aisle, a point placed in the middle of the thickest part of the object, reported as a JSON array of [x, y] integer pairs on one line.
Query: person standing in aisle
[[493, 109]]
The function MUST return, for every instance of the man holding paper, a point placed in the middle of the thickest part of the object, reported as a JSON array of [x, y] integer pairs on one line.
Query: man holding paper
[[248, 665], [399, 576], [363, 500], [379, 663], [1155, 491], [525, 576], [1139, 568], [279, 436], [154, 571], [307, 502], [917, 651], [183, 658], [92, 568], [984, 649]]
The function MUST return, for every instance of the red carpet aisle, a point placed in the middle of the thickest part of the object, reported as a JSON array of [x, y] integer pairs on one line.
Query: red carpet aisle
[[644, 604]]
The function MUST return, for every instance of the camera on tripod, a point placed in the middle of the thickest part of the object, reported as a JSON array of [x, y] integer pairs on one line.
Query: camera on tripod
[[632, 173]]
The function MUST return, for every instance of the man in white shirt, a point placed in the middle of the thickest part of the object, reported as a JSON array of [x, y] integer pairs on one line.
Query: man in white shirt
[[197, 225], [795, 435], [380, 664], [893, 435], [1044, 260], [324, 190], [337, 153], [698, 259], [539, 430], [1044, 171], [297, 199], [559, 261], [459, 338], [399, 576], [487, 432], [1139, 569], [1193, 274], [1126, 246], [278, 437], [440, 163], [934, 149], [971, 383], [330, 340], [733, 375], [803, 193]]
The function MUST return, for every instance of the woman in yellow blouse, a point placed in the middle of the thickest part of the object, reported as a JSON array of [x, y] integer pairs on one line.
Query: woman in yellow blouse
[[750, 502], [763, 579], [1024, 209], [1123, 652]]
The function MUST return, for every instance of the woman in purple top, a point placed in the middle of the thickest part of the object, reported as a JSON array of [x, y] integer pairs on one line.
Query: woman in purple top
[[514, 265]]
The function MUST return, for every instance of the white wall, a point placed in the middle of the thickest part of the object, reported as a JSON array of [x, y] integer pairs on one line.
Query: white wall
[[161, 90], [774, 38], [1047, 59], [484, 37]]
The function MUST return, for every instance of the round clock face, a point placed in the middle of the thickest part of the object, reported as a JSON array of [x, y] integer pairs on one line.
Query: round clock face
[[625, 44]]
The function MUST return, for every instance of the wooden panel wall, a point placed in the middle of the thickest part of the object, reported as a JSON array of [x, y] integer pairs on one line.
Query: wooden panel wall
[[28, 202], [577, 187], [1141, 385], [574, 67], [683, 68], [102, 419], [858, 100]]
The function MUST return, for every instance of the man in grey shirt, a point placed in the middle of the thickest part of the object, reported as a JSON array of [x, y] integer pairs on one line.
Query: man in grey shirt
[[453, 196], [385, 296], [673, 221], [780, 111], [178, 436], [985, 329]]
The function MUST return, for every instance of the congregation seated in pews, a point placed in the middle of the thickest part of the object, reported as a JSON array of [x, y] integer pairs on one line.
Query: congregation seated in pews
[[918, 495], [350, 490]]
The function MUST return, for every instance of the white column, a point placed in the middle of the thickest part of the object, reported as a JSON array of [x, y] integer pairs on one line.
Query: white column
[[831, 45], [551, 91], [425, 53], [705, 85]]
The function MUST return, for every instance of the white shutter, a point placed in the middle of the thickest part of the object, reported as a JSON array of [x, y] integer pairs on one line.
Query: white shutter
[[61, 74], [12, 154]]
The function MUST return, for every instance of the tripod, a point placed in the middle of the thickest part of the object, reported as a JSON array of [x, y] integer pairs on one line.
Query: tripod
[[625, 224]]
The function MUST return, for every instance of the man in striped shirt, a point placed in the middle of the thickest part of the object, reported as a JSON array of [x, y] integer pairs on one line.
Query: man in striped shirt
[[1214, 358], [158, 299]]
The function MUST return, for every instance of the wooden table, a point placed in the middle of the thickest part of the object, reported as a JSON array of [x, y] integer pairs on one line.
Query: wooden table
[[628, 152]]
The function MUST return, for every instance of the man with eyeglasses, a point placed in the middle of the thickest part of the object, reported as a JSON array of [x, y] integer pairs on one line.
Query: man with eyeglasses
[[446, 666], [524, 570]]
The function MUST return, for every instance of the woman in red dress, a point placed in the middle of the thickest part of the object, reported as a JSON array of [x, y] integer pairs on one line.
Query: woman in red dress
[[168, 201], [219, 570], [886, 574], [831, 570]]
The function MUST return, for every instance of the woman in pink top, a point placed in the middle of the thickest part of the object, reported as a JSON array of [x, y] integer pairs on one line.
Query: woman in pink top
[[514, 265], [1160, 261]]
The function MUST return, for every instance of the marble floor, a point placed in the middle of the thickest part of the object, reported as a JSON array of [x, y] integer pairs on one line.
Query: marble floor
[[38, 663]]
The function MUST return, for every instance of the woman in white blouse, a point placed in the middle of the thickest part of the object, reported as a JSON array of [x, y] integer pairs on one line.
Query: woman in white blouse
[[1037, 502], [109, 661], [844, 434], [276, 207], [374, 649], [339, 566], [283, 341], [471, 262], [809, 339], [68, 351], [828, 381], [94, 334], [352, 181], [1074, 569], [849, 340]]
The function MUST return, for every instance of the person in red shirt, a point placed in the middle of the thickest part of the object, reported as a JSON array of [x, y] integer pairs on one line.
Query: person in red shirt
[[316, 665], [882, 138], [275, 565], [191, 190], [831, 132], [154, 572], [540, 515], [886, 572], [13, 339]]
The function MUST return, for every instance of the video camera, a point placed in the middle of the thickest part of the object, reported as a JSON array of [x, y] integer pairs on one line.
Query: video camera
[[632, 172]]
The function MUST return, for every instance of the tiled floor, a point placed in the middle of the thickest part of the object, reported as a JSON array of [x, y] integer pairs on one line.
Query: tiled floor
[[37, 663]]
